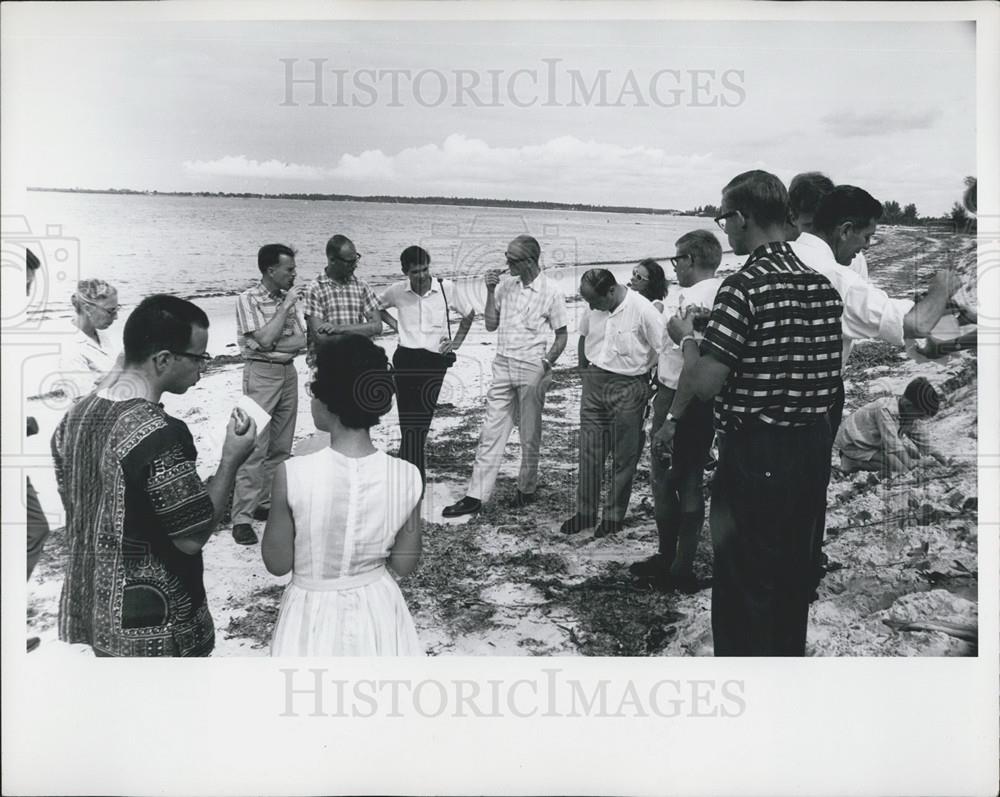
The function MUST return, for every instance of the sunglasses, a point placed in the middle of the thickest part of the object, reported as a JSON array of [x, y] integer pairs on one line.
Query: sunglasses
[[354, 259], [203, 358], [677, 259], [99, 306]]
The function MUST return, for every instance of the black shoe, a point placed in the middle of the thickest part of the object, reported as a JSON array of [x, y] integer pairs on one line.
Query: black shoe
[[261, 513], [466, 506], [687, 584], [523, 499], [33, 643], [649, 568], [244, 534], [576, 524], [608, 527]]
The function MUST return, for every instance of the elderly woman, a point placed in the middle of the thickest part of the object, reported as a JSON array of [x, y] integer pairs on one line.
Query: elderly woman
[[91, 356]]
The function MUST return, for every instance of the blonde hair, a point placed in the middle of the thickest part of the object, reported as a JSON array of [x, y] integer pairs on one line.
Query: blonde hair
[[90, 291]]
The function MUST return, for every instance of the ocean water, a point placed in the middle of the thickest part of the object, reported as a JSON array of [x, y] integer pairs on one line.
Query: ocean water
[[199, 247]]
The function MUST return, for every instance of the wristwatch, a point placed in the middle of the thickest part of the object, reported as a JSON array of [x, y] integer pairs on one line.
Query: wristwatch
[[672, 418], [686, 338]]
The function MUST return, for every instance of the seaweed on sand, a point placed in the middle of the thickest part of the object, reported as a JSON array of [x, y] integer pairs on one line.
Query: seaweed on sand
[[257, 622]]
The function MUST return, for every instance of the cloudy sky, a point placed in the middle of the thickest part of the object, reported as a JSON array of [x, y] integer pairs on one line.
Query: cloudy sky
[[638, 113]]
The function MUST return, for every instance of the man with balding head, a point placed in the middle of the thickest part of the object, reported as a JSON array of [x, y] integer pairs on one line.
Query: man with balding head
[[527, 309]]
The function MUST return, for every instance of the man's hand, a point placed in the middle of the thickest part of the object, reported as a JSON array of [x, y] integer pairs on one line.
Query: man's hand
[[947, 280], [326, 328], [291, 297], [492, 278], [447, 346], [663, 441], [241, 434], [680, 325], [32, 426]]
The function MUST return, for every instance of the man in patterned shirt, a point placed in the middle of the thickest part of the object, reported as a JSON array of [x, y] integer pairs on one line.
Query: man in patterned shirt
[[525, 309], [771, 357], [338, 303], [270, 332], [137, 515]]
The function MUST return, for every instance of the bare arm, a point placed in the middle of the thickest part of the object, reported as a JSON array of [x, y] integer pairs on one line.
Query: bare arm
[[580, 351], [491, 315], [277, 547], [371, 327], [405, 553], [389, 321], [925, 314], [463, 330], [558, 345], [269, 335]]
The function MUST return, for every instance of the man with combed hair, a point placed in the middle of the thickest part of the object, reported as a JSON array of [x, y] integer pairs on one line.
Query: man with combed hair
[[678, 498], [270, 332], [804, 195], [137, 514], [526, 309], [771, 356], [842, 227], [337, 302], [426, 348], [619, 341]]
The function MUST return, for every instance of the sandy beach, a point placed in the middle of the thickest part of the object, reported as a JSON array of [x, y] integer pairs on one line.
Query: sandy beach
[[505, 582]]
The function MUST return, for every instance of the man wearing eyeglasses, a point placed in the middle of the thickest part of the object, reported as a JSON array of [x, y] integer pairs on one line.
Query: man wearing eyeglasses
[[771, 355], [337, 302], [678, 498], [270, 333], [527, 310], [137, 513]]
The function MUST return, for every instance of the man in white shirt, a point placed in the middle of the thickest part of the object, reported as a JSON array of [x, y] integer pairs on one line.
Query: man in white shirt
[[804, 195], [842, 227], [678, 499], [426, 347], [527, 310], [620, 338]]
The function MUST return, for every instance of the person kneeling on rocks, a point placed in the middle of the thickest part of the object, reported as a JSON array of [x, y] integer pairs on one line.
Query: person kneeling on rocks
[[889, 434]]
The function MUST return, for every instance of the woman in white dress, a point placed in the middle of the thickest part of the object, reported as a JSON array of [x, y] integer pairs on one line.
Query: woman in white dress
[[91, 359], [341, 515]]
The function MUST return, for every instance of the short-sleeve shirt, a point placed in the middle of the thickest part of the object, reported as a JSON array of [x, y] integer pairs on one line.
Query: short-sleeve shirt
[[255, 308], [128, 480], [527, 315], [84, 362], [423, 320], [625, 340], [671, 361], [339, 303], [776, 326]]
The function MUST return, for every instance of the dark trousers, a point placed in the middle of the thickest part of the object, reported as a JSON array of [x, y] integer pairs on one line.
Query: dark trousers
[[836, 415], [611, 415], [38, 527], [419, 376], [768, 495]]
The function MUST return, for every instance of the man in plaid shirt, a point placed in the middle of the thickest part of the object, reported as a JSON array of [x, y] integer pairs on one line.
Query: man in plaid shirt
[[338, 303], [771, 356]]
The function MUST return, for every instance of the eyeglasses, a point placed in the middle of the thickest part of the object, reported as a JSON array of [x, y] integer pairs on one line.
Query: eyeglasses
[[723, 220], [99, 306], [354, 259], [202, 358], [678, 258], [512, 259]]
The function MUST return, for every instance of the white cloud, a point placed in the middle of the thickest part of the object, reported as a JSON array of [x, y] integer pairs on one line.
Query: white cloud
[[850, 124], [240, 166]]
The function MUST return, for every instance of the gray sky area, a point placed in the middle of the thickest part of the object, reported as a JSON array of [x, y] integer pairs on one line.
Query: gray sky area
[[654, 113]]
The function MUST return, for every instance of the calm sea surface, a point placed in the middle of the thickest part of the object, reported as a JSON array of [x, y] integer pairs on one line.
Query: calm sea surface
[[201, 247]]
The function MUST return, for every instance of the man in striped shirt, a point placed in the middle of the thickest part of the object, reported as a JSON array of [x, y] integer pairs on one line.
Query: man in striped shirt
[[270, 332], [527, 310], [771, 357]]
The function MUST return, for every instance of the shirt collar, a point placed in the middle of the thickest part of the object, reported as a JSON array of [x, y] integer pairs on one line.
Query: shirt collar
[[535, 285], [809, 241], [434, 289], [262, 289], [327, 280], [762, 251]]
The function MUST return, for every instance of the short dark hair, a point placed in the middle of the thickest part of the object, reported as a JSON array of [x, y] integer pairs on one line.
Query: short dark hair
[[922, 395], [529, 243], [334, 245], [160, 322], [806, 190], [846, 203], [657, 287], [353, 380], [600, 279], [414, 256], [270, 254], [31, 260], [759, 195], [704, 246]]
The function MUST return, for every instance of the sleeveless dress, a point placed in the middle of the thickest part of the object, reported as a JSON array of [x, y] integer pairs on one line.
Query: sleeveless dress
[[342, 601]]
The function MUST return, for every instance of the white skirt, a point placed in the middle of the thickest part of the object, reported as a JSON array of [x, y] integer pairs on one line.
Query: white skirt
[[361, 615]]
